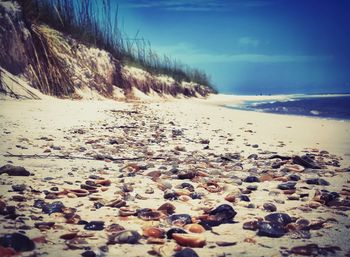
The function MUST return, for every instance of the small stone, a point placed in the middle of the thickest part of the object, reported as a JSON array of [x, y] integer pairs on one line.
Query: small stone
[[19, 188], [287, 186], [170, 232], [180, 218], [251, 225], [187, 252], [280, 218], [294, 177], [170, 194], [94, 225], [125, 237], [253, 156], [14, 170], [230, 198], [317, 181], [293, 197], [252, 187], [88, 254], [50, 208], [192, 240], [270, 207], [271, 229], [251, 179], [186, 174], [187, 186], [196, 195], [167, 208], [17, 241], [244, 198]]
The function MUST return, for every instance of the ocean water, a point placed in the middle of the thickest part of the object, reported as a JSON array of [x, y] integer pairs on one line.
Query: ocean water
[[323, 106]]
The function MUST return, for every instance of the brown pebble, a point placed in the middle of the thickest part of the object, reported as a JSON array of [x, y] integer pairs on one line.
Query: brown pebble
[[195, 228], [192, 240]]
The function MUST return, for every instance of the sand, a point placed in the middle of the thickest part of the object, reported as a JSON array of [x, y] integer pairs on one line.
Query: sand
[[164, 134]]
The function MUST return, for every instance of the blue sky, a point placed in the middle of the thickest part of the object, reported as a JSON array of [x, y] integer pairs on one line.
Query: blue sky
[[251, 46]]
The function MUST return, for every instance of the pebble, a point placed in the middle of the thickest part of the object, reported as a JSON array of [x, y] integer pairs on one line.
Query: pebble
[[170, 194], [180, 218], [269, 229], [14, 170], [88, 254], [125, 237], [244, 198], [50, 208], [95, 225], [317, 181], [280, 218], [17, 241], [187, 252], [192, 240], [252, 187], [270, 207], [294, 177], [170, 232], [251, 179], [18, 188], [186, 175], [293, 197], [287, 186]]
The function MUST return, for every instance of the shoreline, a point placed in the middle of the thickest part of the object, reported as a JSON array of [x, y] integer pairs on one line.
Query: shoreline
[[236, 102]]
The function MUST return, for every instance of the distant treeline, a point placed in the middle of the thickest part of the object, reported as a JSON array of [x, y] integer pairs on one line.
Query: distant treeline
[[91, 22]]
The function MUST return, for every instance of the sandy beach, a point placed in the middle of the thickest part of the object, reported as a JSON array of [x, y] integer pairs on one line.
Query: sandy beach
[[106, 161]]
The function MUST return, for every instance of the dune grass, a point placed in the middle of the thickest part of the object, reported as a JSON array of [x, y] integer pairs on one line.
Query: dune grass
[[90, 22]]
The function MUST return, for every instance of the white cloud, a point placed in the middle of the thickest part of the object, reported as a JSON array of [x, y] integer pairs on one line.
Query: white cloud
[[188, 54], [248, 41], [196, 5]]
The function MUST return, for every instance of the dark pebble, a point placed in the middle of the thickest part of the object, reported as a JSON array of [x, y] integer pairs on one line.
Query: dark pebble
[[19, 188], [185, 218], [14, 170], [88, 254], [269, 207], [253, 156], [329, 196], [170, 232], [270, 229], [306, 161], [244, 198], [39, 203], [252, 187], [44, 224], [187, 252], [196, 195], [17, 241], [223, 212], [294, 177], [95, 225], [186, 175], [287, 186], [317, 181], [251, 225], [170, 194], [125, 237], [280, 218], [174, 170], [49, 208], [187, 186], [251, 179], [98, 205]]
